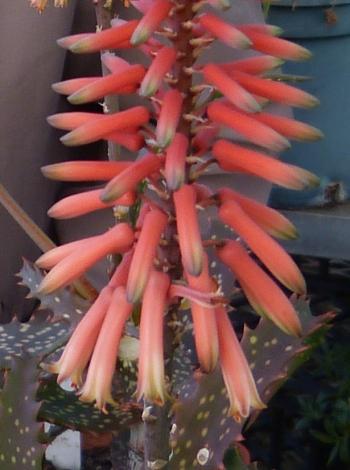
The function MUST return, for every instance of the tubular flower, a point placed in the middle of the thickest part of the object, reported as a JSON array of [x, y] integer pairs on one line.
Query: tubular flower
[[54, 256], [237, 375], [247, 126], [98, 128], [151, 381], [263, 294], [253, 65], [204, 323], [79, 348], [83, 203], [160, 66], [130, 177], [227, 33], [145, 251], [108, 39], [267, 218], [275, 91], [116, 240], [188, 230], [233, 91], [268, 250], [84, 170], [98, 383], [232, 157], [169, 117], [175, 162], [158, 11], [111, 84]]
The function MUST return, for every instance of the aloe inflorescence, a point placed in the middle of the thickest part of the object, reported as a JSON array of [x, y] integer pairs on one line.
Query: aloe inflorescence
[[184, 106]]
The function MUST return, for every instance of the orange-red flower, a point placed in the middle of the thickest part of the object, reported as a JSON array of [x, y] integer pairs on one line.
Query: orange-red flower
[[234, 92], [169, 116], [253, 65], [276, 46], [188, 230], [160, 66], [111, 38], [128, 179], [98, 128], [237, 375], [267, 218], [151, 381], [266, 248], [78, 350], [204, 322], [247, 126], [145, 251], [175, 162], [98, 383], [110, 84], [84, 170], [275, 91], [83, 203], [157, 12], [263, 294], [232, 157], [227, 33], [116, 240]]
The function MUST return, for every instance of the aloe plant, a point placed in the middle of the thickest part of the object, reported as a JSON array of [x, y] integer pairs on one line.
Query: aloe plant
[[163, 266]]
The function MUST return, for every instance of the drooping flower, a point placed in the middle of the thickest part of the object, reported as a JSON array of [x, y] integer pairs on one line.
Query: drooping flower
[[270, 220], [274, 90], [277, 47], [83, 203], [151, 380], [98, 128], [237, 375], [274, 257], [84, 170], [175, 162], [234, 92], [160, 66], [247, 126], [169, 117], [116, 240], [232, 157], [128, 179], [253, 65], [110, 84], [98, 383], [145, 251], [156, 13], [227, 33], [263, 294], [204, 322], [49, 259], [290, 128], [110, 38], [188, 230], [78, 350]]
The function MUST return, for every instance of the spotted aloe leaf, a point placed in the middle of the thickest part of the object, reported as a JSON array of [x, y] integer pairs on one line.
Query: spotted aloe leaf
[[19, 429], [62, 407], [203, 430], [63, 304], [38, 336]]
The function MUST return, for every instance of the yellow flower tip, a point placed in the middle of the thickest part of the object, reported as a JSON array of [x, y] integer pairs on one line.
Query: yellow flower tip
[[78, 97]]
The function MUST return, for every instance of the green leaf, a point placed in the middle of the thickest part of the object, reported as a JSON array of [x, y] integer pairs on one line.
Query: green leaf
[[61, 407], [35, 337], [19, 429]]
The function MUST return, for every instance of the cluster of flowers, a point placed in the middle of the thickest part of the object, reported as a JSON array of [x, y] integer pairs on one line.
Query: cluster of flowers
[[181, 145]]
